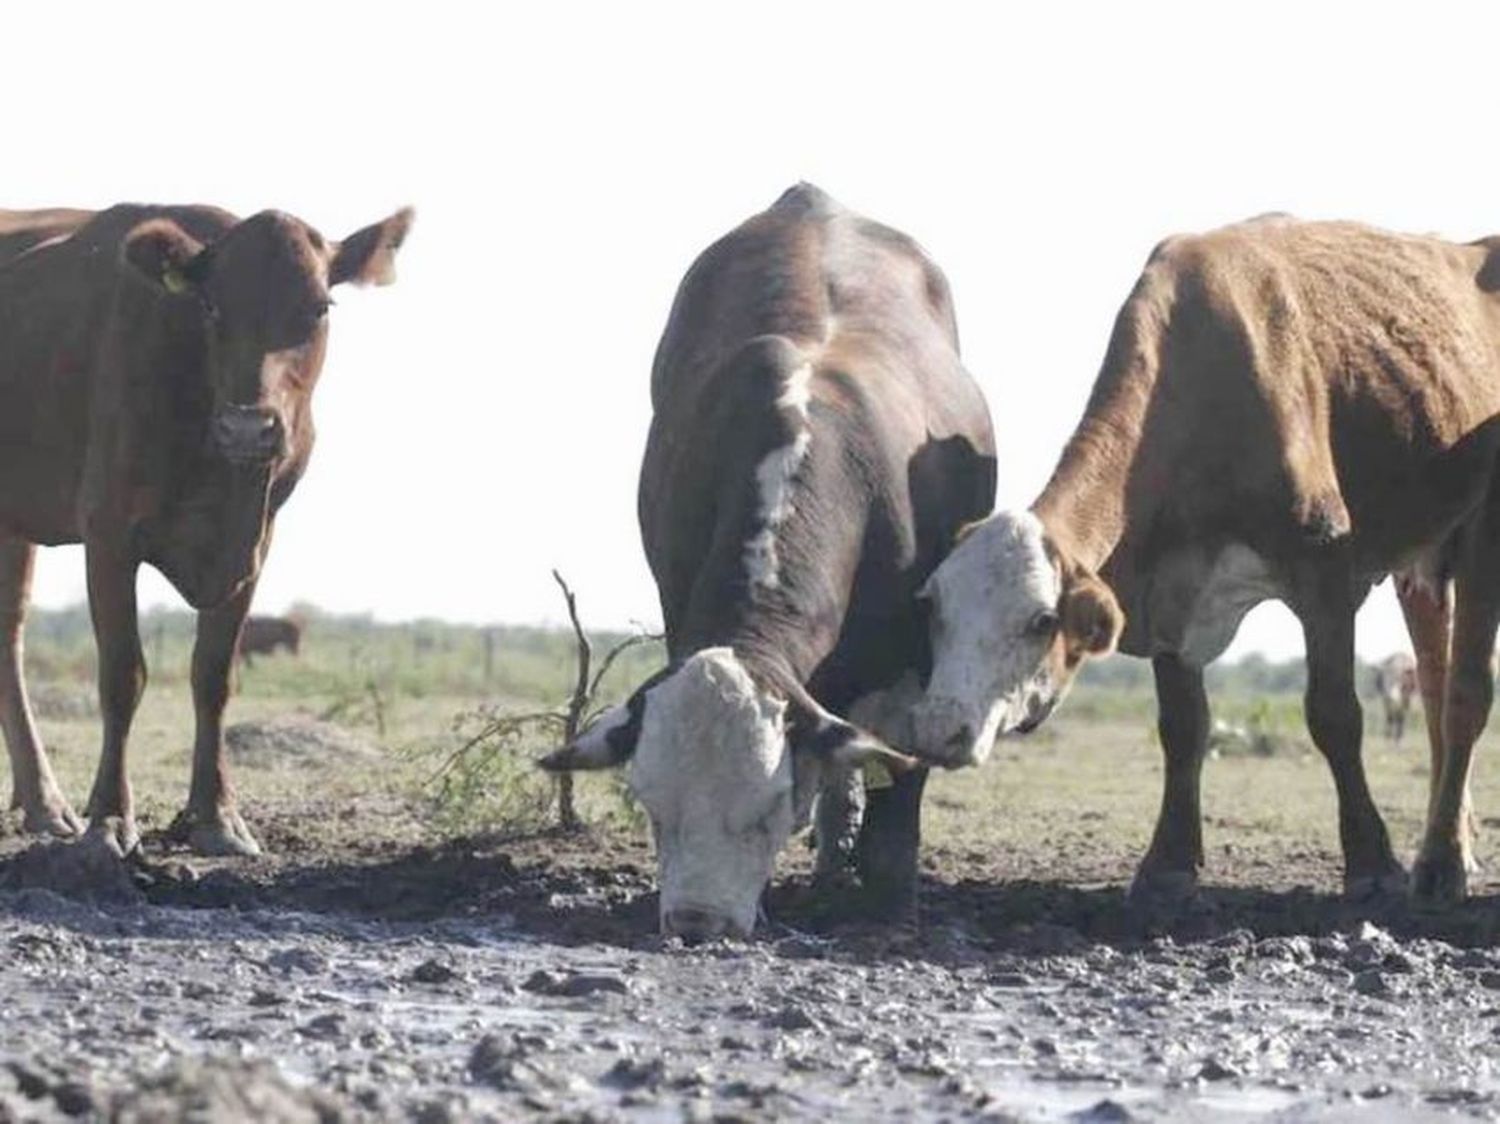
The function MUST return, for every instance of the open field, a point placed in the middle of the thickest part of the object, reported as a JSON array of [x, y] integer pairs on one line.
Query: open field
[[410, 951]]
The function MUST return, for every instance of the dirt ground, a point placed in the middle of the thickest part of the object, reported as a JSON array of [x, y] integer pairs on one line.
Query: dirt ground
[[372, 966]]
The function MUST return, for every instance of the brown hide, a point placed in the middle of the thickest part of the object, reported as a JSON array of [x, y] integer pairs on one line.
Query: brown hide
[[1293, 410], [263, 635], [157, 366], [112, 383], [1283, 385]]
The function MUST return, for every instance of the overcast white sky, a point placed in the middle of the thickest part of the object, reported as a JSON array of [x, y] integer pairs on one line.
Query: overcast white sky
[[483, 420]]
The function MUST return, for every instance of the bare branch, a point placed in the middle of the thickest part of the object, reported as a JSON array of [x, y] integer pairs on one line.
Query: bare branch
[[566, 811], [615, 653], [580, 700], [504, 724]]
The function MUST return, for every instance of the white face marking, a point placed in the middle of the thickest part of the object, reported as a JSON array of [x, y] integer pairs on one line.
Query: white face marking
[[990, 671], [773, 478], [712, 770]]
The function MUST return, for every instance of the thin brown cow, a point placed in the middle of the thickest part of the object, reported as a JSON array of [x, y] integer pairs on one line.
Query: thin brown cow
[[1290, 411], [263, 635], [157, 366]]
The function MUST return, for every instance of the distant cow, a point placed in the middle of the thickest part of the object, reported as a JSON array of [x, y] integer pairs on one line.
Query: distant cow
[[1395, 684], [1287, 410], [815, 446], [157, 366], [263, 635]]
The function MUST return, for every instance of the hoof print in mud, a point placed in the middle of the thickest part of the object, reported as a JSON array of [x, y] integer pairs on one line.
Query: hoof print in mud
[[92, 869]]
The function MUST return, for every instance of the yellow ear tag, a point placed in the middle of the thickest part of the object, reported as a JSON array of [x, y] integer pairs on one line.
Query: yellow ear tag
[[877, 776], [175, 282]]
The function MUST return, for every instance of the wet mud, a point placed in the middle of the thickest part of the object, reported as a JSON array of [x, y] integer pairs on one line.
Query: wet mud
[[374, 977]]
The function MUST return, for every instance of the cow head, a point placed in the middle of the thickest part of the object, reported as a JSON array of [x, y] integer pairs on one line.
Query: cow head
[[1010, 622], [726, 768], [262, 289]]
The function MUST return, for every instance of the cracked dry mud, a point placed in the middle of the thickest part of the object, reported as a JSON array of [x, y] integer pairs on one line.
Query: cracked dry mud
[[494, 979]]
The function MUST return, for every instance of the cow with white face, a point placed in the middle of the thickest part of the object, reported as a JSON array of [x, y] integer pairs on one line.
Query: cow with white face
[[1009, 631], [726, 771], [815, 447], [1286, 411]]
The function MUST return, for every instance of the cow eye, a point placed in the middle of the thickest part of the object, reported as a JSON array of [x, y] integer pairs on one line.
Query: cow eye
[[1043, 624], [311, 316]]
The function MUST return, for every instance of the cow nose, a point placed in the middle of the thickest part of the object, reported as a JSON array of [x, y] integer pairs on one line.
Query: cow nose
[[943, 731], [249, 433], [695, 925], [1037, 710]]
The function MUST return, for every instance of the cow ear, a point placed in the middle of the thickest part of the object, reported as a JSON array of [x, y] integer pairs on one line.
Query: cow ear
[[368, 256], [608, 742], [1091, 617], [166, 255]]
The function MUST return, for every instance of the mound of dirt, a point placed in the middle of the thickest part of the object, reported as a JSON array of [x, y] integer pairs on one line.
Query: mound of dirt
[[218, 1088], [91, 869], [295, 740]]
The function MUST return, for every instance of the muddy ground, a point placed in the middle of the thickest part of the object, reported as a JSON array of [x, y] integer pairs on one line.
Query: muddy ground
[[376, 965], [367, 976]]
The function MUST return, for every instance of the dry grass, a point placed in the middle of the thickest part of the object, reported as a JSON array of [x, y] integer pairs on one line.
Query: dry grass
[[1074, 802]]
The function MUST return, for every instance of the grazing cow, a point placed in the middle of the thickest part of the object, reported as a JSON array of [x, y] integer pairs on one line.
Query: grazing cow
[[156, 372], [1286, 410], [263, 635], [1395, 684], [816, 444]]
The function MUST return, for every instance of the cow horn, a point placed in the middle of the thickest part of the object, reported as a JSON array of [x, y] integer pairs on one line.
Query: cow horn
[[815, 729]]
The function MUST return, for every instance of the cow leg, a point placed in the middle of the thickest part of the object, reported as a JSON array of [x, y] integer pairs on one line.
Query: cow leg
[[1429, 623], [886, 854], [1442, 867], [34, 788], [122, 679], [1336, 723], [1170, 869], [211, 822], [836, 823]]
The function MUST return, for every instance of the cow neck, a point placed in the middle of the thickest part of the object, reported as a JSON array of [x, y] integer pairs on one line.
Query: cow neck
[[773, 643], [788, 630], [1083, 507]]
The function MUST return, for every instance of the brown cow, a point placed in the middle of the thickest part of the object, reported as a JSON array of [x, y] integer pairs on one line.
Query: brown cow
[[156, 372], [263, 635], [1395, 683], [1287, 411]]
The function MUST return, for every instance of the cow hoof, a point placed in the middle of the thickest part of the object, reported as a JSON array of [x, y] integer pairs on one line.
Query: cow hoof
[[1163, 888], [221, 835], [115, 834], [1440, 879], [1375, 887], [51, 815], [837, 881]]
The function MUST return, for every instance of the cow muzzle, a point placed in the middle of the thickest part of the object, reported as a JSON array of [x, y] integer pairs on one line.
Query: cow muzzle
[[945, 733], [695, 925], [1037, 710], [249, 434]]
